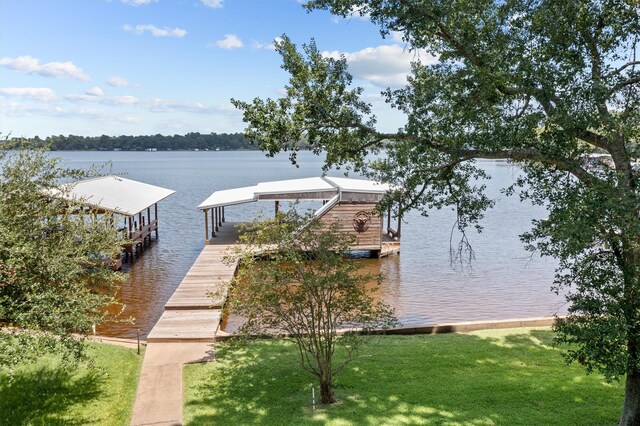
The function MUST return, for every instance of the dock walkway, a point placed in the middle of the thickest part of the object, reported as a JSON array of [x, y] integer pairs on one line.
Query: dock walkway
[[184, 333], [191, 314], [187, 329]]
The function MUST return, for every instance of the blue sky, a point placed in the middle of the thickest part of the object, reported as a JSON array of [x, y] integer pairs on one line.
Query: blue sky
[[114, 67]]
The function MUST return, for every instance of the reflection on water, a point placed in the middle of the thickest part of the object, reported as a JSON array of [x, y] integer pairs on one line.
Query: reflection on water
[[504, 282]]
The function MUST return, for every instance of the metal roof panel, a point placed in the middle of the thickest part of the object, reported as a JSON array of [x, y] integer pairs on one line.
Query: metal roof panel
[[116, 194]]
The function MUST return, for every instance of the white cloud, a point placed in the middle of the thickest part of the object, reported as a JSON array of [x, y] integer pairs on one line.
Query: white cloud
[[95, 91], [116, 81], [386, 65], [356, 12], [155, 31], [130, 119], [257, 45], [22, 110], [230, 41], [396, 36], [271, 46], [31, 65], [121, 100], [152, 105], [164, 105], [137, 2], [43, 94], [213, 4], [96, 95]]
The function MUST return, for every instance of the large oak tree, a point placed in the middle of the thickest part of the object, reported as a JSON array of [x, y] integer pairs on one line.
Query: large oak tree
[[544, 83]]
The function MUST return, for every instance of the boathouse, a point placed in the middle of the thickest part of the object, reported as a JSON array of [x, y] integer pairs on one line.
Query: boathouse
[[136, 204], [349, 202]]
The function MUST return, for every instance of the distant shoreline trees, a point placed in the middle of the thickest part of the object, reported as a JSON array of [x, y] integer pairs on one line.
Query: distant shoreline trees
[[188, 142]]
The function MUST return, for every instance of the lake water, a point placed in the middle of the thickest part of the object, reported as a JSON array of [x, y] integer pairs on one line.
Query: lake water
[[505, 281]]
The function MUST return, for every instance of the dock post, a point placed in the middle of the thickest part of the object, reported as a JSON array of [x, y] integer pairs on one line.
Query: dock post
[[213, 222], [155, 207], [206, 228], [129, 236], [223, 213], [149, 222], [144, 237], [140, 232]]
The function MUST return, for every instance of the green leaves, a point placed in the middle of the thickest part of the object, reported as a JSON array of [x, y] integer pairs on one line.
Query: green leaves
[[319, 108], [296, 278], [54, 282], [542, 83]]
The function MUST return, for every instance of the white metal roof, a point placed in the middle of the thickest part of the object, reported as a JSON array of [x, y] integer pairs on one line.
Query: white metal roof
[[229, 197], [314, 184], [249, 194], [116, 194], [359, 185]]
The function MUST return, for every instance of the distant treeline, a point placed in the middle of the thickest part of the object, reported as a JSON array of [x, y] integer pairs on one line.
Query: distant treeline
[[188, 142]]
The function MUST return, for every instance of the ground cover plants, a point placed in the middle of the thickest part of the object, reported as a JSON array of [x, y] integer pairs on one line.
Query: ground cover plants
[[499, 377], [49, 392]]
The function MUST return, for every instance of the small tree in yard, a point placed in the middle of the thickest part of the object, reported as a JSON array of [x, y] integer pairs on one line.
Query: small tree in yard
[[296, 279], [53, 280]]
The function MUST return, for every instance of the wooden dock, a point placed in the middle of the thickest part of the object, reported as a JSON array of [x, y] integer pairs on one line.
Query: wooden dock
[[191, 314]]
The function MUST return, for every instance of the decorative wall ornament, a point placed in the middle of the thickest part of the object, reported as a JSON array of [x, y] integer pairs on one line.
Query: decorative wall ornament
[[361, 221]]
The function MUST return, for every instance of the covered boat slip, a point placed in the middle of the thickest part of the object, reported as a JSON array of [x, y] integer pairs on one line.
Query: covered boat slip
[[349, 202], [133, 201]]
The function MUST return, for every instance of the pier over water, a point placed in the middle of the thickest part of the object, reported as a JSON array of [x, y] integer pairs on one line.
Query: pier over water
[[193, 315]]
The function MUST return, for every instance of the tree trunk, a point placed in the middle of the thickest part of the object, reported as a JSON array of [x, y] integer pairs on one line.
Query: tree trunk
[[326, 389], [631, 408]]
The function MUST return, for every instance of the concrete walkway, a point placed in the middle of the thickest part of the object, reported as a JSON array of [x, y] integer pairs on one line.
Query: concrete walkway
[[159, 396]]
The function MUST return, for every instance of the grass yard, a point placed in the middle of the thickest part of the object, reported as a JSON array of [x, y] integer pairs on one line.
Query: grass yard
[[498, 377], [45, 393]]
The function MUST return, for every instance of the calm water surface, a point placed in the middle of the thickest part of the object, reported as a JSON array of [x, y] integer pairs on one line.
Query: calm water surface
[[504, 282]]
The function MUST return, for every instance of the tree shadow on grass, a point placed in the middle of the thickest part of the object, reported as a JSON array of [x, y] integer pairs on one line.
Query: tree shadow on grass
[[444, 379], [44, 394]]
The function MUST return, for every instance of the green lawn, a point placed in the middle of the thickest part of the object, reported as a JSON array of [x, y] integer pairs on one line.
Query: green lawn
[[46, 393], [500, 377]]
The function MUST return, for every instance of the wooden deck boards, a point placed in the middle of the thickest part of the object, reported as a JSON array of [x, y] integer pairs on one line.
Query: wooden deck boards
[[208, 274], [194, 325], [193, 312]]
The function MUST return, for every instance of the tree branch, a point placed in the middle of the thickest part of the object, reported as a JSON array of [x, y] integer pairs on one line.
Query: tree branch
[[622, 68], [625, 83]]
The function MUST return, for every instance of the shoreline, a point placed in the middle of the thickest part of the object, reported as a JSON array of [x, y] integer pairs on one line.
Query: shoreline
[[453, 327]]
